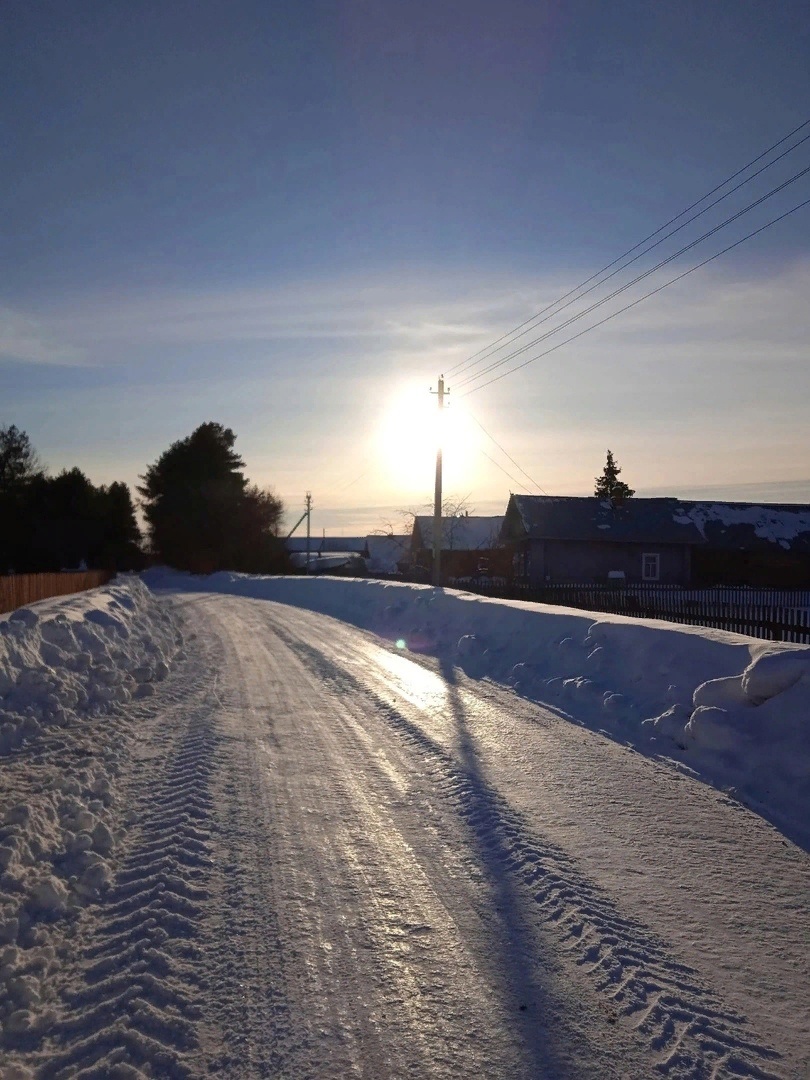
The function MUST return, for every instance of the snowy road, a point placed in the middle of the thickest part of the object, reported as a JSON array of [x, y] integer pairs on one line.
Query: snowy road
[[343, 860]]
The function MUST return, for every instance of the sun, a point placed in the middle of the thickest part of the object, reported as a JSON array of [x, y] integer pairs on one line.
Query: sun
[[410, 431]]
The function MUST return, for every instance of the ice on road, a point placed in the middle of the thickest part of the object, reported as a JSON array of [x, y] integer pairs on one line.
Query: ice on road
[[338, 859]]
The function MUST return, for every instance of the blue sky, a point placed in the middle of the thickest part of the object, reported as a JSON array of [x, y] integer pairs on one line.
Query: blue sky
[[290, 217]]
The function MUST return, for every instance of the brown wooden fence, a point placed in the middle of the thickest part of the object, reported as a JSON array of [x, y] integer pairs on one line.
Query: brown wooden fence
[[16, 590]]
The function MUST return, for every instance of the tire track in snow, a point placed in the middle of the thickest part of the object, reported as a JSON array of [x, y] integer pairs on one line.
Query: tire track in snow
[[690, 1032], [137, 1012]]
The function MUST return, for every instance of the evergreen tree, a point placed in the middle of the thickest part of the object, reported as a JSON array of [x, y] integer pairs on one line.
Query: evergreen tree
[[66, 521], [608, 485], [202, 514], [50, 523], [121, 537], [20, 470], [257, 547], [19, 464]]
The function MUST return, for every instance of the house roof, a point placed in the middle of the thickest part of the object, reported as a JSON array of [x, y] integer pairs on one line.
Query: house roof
[[384, 552], [330, 544], [461, 533], [637, 521], [323, 564], [725, 526], [750, 527]]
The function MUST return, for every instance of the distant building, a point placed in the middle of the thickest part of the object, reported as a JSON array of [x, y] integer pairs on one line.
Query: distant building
[[373, 555], [343, 555], [558, 539], [328, 545], [758, 544], [470, 545], [387, 555]]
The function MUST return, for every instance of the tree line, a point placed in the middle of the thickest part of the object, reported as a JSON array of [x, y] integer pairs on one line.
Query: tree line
[[201, 512]]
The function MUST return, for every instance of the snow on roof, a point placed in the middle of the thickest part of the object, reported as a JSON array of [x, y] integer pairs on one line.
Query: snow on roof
[[384, 552], [462, 533], [736, 524], [322, 563], [552, 517], [331, 544], [725, 526]]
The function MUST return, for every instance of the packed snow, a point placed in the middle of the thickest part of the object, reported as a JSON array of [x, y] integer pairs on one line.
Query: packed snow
[[64, 662], [732, 710], [131, 831]]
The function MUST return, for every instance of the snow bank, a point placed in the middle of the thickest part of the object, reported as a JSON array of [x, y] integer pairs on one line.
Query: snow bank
[[86, 654], [63, 664], [733, 710]]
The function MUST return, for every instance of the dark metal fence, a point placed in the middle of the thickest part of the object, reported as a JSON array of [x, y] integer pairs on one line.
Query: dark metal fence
[[773, 614], [16, 590]]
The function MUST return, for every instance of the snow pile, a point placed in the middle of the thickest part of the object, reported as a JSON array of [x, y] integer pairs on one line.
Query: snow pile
[[733, 710], [63, 663], [87, 654]]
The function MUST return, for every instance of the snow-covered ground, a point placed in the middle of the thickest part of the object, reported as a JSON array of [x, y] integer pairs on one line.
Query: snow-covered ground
[[67, 668], [732, 710], [327, 828]]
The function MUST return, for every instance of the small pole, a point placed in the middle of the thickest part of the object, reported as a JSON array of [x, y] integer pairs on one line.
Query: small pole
[[309, 511], [437, 495]]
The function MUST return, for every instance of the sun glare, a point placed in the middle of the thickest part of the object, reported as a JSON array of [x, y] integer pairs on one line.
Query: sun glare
[[411, 429]]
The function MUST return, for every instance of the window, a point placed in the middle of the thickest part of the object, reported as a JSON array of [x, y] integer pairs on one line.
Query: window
[[650, 566]]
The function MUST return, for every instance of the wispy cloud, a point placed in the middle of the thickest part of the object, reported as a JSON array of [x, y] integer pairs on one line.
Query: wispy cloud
[[705, 384], [348, 310], [29, 340], [404, 317]]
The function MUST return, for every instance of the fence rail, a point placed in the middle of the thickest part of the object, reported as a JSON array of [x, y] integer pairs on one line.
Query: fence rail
[[16, 590], [772, 614]]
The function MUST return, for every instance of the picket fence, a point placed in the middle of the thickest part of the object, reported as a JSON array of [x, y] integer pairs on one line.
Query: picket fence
[[16, 590], [773, 614]]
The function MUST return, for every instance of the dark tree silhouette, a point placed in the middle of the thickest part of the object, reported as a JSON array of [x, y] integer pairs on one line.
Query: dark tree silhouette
[[73, 522], [608, 485], [19, 464], [121, 537], [50, 523], [202, 513]]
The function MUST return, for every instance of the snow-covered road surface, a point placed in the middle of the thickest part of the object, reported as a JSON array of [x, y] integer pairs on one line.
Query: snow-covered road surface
[[337, 859]]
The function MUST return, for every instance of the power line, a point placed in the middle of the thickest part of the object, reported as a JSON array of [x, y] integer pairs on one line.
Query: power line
[[492, 437], [677, 217], [640, 277], [503, 470], [652, 292], [351, 483], [537, 320]]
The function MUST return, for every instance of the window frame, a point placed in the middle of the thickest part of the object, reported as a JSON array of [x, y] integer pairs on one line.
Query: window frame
[[656, 556]]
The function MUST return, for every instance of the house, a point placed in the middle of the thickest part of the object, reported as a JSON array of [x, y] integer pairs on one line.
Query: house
[[666, 541], [554, 540], [766, 545], [383, 556], [329, 554], [387, 555], [470, 545], [328, 545]]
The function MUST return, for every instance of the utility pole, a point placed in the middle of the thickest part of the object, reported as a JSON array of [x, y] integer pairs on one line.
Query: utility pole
[[308, 512], [437, 496]]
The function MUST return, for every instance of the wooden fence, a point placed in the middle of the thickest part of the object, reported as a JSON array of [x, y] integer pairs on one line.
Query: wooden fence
[[16, 590], [773, 614]]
